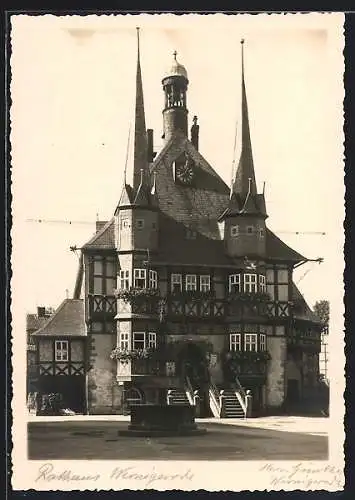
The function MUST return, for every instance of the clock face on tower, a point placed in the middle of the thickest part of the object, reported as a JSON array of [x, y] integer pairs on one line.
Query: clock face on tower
[[184, 170]]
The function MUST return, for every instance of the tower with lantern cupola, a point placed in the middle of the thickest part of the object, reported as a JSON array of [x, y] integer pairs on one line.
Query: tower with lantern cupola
[[175, 113]]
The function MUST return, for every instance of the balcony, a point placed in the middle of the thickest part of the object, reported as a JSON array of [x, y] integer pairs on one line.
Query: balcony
[[239, 306], [201, 305]]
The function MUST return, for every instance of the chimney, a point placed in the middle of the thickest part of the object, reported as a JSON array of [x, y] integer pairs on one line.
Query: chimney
[[195, 132], [41, 312], [151, 154]]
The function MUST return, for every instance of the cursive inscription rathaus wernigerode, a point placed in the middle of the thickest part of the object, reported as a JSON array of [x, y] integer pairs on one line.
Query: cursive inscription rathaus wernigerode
[[47, 473]]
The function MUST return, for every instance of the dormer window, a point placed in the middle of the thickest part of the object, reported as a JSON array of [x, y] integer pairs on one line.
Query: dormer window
[[234, 283], [234, 231], [250, 283], [140, 278], [140, 223]]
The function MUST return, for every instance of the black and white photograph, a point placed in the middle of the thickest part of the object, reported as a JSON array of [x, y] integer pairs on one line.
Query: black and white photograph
[[177, 290]]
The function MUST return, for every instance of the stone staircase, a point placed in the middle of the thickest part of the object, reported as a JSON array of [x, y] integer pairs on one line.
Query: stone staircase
[[232, 406], [178, 397]]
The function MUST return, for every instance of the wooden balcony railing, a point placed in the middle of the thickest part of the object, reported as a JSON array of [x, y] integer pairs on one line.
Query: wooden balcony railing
[[187, 305]]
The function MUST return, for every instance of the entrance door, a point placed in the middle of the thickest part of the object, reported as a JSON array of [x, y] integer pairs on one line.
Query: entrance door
[[293, 391], [192, 363]]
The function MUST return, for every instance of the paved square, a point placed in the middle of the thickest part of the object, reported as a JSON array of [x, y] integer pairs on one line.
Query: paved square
[[99, 440]]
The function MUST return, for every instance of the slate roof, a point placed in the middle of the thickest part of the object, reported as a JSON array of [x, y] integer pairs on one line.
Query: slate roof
[[302, 310], [67, 321], [104, 239], [34, 322], [276, 249], [196, 208]]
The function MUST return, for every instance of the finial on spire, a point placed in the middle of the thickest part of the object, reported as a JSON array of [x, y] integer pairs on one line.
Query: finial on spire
[[242, 41], [175, 54], [137, 28]]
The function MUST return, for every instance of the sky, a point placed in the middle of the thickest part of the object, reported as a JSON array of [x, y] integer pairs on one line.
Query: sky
[[73, 101]]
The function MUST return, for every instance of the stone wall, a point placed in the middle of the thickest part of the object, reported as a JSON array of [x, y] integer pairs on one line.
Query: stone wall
[[104, 394], [275, 388]]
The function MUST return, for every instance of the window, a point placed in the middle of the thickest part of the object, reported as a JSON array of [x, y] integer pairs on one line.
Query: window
[[262, 342], [235, 342], [205, 283], [250, 283], [124, 341], [153, 279], [124, 280], [138, 340], [282, 275], [152, 340], [140, 223], [176, 283], [250, 342], [234, 231], [262, 283], [191, 282], [61, 350], [261, 232], [124, 223], [234, 283], [103, 278], [250, 229], [98, 266], [140, 278]]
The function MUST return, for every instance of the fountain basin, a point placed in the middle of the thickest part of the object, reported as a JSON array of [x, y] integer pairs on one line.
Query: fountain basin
[[149, 420]]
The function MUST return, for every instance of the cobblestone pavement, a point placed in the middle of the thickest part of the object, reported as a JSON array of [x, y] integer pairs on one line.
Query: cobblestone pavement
[[96, 438]]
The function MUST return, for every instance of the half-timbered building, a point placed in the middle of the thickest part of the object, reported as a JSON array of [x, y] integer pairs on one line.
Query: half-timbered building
[[188, 296]]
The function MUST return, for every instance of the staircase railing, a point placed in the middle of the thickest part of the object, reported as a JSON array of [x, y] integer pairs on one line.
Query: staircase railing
[[189, 391], [241, 395], [214, 397]]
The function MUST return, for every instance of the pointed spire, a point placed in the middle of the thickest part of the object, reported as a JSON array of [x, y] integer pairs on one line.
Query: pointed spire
[[140, 134], [141, 197], [245, 169]]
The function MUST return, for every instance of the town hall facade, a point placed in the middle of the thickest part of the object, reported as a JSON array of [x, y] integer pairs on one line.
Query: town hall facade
[[184, 295]]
